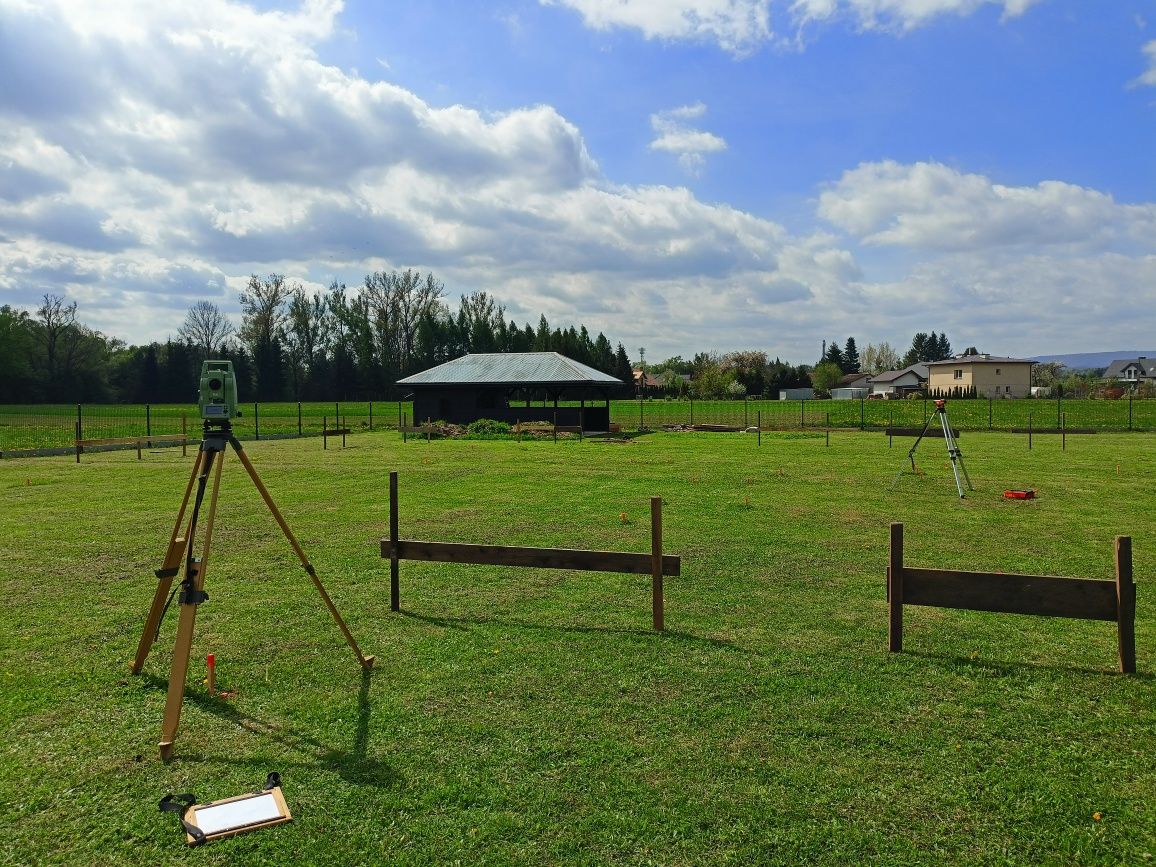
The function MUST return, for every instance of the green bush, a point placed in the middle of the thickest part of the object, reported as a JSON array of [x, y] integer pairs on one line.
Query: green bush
[[488, 426]]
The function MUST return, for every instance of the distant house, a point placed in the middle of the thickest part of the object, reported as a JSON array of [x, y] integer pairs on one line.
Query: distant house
[[855, 380], [852, 386], [898, 383], [988, 375], [1132, 370]]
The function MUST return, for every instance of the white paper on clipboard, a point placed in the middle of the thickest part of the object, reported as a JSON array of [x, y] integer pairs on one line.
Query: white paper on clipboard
[[239, 813]]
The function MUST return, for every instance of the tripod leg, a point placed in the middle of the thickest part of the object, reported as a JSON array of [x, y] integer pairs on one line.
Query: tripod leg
[[953, 453], [170, 567], [365, 661], [192, 596]]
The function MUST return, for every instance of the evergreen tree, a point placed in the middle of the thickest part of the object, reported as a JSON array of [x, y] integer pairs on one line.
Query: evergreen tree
[[850, 356], [834, 354]]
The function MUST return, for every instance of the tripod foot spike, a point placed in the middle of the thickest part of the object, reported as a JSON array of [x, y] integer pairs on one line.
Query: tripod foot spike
[[166, 750], [367, 663]]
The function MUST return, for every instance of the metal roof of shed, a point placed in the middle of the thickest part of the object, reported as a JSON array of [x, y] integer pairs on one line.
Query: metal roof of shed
[[511, 368]]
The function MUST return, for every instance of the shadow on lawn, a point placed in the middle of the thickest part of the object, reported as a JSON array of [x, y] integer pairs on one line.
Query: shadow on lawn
[[354, 765], [1006, 669], [463, 624]]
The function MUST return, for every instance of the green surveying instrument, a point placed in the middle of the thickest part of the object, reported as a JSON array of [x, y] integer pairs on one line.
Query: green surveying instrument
[[218, 401]]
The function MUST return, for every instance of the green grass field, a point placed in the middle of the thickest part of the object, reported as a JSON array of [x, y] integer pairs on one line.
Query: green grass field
[[532, 717]]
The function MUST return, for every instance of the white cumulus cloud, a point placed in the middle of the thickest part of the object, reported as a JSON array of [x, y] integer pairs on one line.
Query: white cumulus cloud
[[675, 134], [932, 206], [1148, 77], [898, 14], [735, 25]]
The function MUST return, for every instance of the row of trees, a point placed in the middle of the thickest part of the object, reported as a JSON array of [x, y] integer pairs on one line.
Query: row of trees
[[292, 344]]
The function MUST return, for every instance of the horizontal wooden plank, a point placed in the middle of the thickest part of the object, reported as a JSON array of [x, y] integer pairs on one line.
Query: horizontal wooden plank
[[543, 558], [1080, 598], [122, 441], [933, 432]]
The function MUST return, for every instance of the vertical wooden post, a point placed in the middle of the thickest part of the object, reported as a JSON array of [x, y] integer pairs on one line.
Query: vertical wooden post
[[895, 590], [428, 430], [656, 604], [149, 422], [394, 584], [1125, 605], [298, 418], [138, 450], [401, 422]]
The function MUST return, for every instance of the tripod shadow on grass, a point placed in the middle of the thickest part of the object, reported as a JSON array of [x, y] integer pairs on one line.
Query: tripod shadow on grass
[[464, 624], [1005, 668], [354, 765]]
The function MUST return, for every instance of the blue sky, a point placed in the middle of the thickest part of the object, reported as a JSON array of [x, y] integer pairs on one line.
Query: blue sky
[[683, 175]]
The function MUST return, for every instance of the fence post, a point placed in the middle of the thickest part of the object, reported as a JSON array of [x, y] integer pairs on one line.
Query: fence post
[[337, 413], [1125, 605], [394, 584], [298, 418], [656, 604], [78, 439], [149, 421], [256, 421], [401, 424], [895, 590], [400, 419]]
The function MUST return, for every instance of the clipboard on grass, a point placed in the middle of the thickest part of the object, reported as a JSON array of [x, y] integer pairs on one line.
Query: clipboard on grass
[[216, 820]]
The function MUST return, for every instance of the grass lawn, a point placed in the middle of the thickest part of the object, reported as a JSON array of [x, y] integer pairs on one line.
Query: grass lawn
[[528, 716]]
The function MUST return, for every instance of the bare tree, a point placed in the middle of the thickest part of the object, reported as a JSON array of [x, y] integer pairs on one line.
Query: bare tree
[[397, 302], [877, 359], [206, 326], [263, 304], [56, 319]]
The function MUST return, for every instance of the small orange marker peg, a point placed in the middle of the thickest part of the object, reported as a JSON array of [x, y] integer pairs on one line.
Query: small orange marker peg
[[211, 662]]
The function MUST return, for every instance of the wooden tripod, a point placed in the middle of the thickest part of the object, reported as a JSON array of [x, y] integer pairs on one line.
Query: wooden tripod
[[210, 461]]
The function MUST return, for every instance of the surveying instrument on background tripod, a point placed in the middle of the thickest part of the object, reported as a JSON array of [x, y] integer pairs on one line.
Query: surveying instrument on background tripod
[[218, 408], [953, 451]]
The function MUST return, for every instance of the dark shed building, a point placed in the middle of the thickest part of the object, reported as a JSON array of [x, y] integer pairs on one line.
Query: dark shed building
[[511, 387]]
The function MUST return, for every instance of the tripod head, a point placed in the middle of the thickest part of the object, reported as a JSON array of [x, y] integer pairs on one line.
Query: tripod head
[[941, 406]]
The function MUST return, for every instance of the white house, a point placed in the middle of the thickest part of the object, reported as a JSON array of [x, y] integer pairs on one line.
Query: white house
[[896, 383]]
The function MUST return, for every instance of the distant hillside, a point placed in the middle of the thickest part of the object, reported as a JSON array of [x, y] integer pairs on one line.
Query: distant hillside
[[1085, 360]]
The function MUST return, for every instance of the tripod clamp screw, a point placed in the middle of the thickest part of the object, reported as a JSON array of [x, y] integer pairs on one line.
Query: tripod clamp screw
[[192, 597]]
